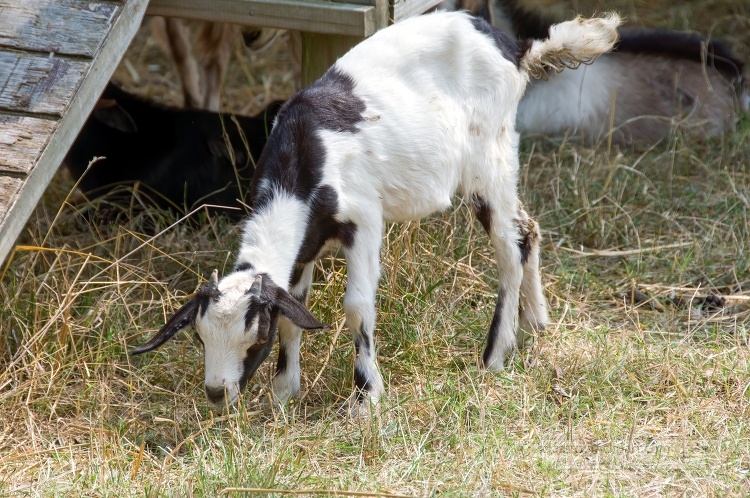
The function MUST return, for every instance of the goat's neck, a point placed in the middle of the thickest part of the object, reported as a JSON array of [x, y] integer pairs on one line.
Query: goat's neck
[[273, 236]]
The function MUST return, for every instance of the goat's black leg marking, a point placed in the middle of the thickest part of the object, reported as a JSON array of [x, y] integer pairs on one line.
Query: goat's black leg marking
[[362, 384], [483, 211], [363, 345], [494, 329], [363, 271], [281, 362]]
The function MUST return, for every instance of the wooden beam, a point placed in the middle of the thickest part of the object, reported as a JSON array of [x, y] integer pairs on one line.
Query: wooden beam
[[27, 25], [318, 16], [123, 28]]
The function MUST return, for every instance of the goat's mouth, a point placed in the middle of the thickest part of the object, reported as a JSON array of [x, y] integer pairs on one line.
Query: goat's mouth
[[221, 397]]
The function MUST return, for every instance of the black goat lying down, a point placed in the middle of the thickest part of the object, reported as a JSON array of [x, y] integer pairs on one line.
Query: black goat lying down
[[179, 158], [651, 82]]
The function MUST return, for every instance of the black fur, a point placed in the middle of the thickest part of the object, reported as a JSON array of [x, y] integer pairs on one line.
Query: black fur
[[528, 24], [483, 211], [244, 266], [295, 156], [681, 45], [363, 342], [178, 156], [362, 384], [282, 361], [494, 327], [507, 45], [259, 352]]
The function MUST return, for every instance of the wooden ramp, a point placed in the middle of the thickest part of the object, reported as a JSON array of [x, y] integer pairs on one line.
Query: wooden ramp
[[56, 57]]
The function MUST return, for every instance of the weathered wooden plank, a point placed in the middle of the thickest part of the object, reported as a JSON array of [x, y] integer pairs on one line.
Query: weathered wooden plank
[[22, 139], [124, 28], [403, 9], [78, 26], [318, 16], [9, 188], [38, 84]]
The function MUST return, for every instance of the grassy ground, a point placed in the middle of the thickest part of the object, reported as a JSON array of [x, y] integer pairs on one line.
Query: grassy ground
[[627, 394]]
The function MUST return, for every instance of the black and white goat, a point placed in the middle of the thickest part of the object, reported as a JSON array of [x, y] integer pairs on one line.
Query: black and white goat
[[421, 110], [181, 158], [652, 82]]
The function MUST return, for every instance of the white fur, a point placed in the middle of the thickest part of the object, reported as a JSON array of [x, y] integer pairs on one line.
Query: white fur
[[583, 98], [441, 103]]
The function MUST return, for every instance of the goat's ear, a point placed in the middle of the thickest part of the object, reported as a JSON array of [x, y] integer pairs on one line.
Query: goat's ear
[[109, 112], [296, 311], [184, 317]]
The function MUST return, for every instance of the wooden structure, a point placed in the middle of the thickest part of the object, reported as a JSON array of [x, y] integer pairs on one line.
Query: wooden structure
[[56, 57]]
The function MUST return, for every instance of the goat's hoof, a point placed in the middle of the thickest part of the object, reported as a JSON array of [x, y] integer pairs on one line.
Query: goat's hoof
[[358, 407]]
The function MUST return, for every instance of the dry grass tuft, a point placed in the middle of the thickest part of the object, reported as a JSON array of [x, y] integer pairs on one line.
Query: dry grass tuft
[[640, 386]]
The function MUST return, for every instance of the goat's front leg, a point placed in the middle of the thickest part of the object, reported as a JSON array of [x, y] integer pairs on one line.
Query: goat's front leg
[[363, 272], [286, 380]]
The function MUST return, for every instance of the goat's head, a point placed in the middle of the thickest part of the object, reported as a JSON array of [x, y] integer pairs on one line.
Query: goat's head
[[235, 320]]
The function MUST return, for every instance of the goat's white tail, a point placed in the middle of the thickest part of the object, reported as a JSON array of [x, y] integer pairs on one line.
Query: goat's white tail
[[571, 44]]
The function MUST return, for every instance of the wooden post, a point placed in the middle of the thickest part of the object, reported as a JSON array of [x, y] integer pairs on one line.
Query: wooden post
[[319, 52]]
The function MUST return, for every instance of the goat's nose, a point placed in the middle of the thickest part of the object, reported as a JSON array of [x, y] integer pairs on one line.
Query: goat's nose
[[215, 394]]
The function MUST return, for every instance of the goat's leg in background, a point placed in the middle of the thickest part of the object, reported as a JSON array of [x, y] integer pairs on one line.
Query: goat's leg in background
[[214, 45], [173, 36]]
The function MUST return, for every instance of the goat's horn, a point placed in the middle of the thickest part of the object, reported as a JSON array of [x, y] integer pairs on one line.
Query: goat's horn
[[257, 284], [213, 283]]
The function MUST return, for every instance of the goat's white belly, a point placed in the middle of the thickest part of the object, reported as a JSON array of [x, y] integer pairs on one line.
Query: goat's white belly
[[405, 175]]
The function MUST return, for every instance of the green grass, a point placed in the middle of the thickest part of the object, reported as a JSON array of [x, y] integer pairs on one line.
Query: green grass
[[616, 399]]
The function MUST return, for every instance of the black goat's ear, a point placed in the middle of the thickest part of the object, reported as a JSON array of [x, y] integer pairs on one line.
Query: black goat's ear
[[296, 312], [183, 318], [109, 112]]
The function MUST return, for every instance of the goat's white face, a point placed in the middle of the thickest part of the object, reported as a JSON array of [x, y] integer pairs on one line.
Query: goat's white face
[[236, 329], [235, 320]]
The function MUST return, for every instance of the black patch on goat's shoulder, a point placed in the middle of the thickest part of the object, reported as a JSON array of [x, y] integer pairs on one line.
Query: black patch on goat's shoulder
[[507, 45], [332, 96], [681, 45], [295, 154]]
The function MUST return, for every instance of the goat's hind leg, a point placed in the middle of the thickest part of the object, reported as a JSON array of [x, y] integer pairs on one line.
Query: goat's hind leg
[[504, 235], [533, 305], [286, 380]]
